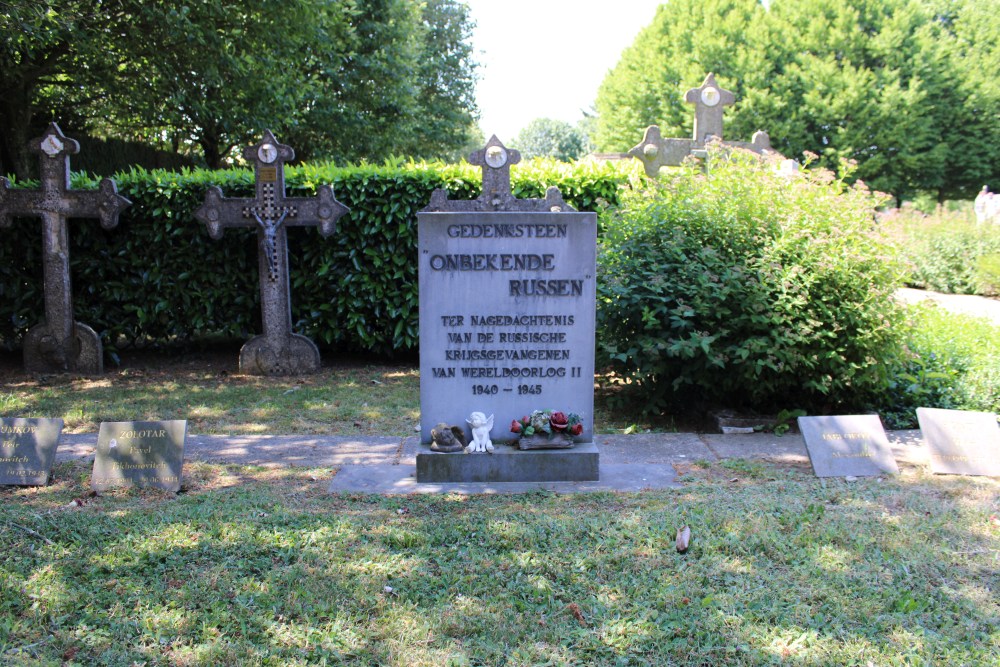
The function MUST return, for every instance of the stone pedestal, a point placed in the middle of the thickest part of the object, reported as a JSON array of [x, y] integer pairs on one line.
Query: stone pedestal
[[294, 355], [508, 464]]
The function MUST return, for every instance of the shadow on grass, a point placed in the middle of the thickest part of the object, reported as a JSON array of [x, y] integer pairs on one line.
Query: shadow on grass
[[250, 566]]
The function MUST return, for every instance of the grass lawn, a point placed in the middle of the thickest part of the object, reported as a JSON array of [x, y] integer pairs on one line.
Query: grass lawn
[[251, 566], [263, 567]]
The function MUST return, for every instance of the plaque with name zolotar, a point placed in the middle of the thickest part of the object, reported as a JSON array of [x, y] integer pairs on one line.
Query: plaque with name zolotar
[[847, 446], [961, 442], [147, 454], [27, 450]]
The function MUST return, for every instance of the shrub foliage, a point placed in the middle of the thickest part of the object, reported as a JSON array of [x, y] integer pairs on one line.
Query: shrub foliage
[[947, 251], [740, 287], [158, 278]]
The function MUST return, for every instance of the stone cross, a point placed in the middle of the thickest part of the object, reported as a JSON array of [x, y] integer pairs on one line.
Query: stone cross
[[278, 351], [495, 160], [60, 344], [709, 99]]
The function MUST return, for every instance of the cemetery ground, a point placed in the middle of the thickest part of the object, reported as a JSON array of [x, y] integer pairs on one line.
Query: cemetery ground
[[255, 566]]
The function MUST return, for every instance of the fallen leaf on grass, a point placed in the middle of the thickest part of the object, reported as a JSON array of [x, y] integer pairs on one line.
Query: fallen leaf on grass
[[574, 609], [683, 539]]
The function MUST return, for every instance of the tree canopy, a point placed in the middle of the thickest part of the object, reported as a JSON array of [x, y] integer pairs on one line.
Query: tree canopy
[[547, 137], [342, 80], [906, 89]]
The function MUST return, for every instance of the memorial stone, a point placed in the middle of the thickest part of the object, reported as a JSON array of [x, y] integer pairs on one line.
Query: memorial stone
[[147, 454], [277, 351], [961, 442], [709, 99], [847, 446], [507, 309], [60, 344], [27, 450]]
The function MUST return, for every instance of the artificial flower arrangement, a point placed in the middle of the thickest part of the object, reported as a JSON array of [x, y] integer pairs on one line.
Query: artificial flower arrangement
[[546, 428]]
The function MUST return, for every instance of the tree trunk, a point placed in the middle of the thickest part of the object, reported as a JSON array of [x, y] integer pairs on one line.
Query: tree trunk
[[15, 128]]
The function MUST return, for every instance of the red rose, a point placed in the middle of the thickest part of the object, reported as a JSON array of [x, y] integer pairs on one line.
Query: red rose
[[576, 429], [515, 426], [559, 420]]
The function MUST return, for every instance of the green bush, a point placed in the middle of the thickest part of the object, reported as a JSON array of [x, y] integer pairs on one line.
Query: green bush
[[945, 250], [952, 362], [740, 287], [159, 279], [988, 274]]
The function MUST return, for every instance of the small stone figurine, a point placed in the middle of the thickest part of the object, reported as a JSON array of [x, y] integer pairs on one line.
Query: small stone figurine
[[447, 438], [481, 427]]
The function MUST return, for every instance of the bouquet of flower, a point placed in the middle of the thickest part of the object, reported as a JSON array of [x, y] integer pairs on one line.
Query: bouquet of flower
[[547, 423]]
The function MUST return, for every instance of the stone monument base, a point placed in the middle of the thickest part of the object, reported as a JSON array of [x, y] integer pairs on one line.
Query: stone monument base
[[294, 355], [509, 464], [44, 353]]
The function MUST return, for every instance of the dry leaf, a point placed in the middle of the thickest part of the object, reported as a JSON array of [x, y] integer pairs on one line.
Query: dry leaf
[[574, 609], [683, 539]]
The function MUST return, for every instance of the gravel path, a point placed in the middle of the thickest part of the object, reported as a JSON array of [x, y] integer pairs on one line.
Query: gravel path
[[966, 304]]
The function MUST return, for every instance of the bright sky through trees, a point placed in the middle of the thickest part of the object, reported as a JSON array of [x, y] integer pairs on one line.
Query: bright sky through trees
[[546, 58]]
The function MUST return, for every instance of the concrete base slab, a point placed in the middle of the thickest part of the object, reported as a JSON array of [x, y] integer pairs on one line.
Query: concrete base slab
[[907, 447], [401, 479], [653, 448], [509, 464], [319, 451], [789, 447]]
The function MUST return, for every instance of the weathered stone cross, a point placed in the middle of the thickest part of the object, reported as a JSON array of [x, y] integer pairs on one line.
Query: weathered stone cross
[[709, 99], [496, 159], [60, 343], [278, 351]]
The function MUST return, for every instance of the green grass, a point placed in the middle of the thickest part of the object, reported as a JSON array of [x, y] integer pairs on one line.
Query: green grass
[[347, 398], [350, 397], [255, 567]]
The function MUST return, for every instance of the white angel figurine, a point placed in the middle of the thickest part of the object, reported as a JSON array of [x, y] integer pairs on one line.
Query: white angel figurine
[[481, 427]]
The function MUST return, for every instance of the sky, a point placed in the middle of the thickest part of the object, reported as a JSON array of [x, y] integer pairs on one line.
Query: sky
[[546, 58]]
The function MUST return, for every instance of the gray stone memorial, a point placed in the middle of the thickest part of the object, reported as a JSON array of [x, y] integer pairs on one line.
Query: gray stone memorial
[[60, 344], [146, 454], [27, 450], [507, 317], [708, 99], [961, 442], [847, 446], [277, 351]]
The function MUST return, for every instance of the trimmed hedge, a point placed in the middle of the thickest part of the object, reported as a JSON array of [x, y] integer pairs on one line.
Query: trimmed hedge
[[159, 279]]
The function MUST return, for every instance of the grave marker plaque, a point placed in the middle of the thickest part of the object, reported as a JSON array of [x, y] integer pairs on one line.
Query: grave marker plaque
[[507, 305], [148, 454], [60, 343], [278, 351], [961, 442], [847, 445], [27, 450]]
